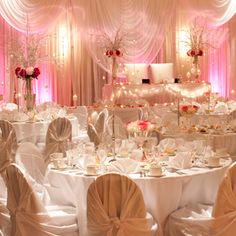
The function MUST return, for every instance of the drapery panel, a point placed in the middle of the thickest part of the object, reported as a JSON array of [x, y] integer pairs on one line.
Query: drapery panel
[[76, 62]]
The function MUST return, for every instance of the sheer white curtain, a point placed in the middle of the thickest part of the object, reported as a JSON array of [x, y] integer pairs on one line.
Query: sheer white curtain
[[143, 26], [149, 27]]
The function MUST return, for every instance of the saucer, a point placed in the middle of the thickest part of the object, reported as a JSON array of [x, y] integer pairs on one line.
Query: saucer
[[213, 166], [58, 168], [90, 174], [150, 175]]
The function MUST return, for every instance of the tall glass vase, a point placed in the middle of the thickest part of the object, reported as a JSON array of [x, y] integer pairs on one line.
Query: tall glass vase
[[114, 70], [29, 95], [195, 70]]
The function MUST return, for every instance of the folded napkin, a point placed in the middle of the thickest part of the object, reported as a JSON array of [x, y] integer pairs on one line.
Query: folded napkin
[[221, 107], [182, 160], [124, 165]]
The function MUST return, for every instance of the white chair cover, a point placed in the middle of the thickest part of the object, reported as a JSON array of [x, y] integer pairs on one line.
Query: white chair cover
[[4, 213], [202, 220], [115, 206], [59, 132], [28, 215], [8, 143], [31, 159]]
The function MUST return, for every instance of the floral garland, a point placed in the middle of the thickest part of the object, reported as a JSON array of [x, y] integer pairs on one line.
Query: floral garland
[[27, 74]]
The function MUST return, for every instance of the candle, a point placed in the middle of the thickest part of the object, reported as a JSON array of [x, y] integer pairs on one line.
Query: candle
[[232, 92], [75, 98]]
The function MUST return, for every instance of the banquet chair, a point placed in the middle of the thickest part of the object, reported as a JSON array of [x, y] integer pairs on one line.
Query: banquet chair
[[4, 213], [115, 206], [29, 157], [29, 216], [206, 220], [58, 134], [8, 142]]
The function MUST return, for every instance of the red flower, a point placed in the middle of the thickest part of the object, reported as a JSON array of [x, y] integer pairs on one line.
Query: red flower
[[184, 108], [200, 53], [36, 72], [22, 73], [194, 52], [195, 107], [17, 70], [117, 52]]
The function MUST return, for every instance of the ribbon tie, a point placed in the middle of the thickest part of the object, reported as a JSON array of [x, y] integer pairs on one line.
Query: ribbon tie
[[115, 222]]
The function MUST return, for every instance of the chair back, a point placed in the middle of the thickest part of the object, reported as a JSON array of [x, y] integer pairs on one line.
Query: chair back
[[31, 159], [226, 197], [115, 206], [59, 132], [8, 144], [22, 203]]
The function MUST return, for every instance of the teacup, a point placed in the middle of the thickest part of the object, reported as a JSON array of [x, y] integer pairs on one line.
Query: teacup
[[156, 170], [59, 163], [91, 169], [214, 161]]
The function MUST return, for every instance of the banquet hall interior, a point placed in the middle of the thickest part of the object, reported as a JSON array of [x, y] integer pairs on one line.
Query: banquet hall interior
[[117, 117]]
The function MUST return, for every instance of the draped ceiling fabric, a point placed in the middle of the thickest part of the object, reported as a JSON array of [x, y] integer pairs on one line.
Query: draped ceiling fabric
[[73, 61]]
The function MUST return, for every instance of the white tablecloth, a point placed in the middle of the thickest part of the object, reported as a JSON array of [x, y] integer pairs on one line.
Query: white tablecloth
[[34, 132], [162, 195]]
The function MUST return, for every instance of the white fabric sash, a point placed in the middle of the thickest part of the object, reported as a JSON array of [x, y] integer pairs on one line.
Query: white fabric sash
[[59, 132]]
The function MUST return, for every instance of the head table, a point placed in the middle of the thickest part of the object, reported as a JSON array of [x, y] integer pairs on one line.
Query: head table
[[162, 195]]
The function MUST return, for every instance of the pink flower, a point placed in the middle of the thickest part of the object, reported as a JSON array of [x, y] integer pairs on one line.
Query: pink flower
[[30, 70], [143, 125]]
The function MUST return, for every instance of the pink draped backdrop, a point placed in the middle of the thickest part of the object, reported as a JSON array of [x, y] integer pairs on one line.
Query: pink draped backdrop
[[72, 57]]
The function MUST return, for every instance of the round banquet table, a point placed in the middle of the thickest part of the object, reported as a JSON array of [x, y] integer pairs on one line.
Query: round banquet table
[[162, 195], [30, 131]]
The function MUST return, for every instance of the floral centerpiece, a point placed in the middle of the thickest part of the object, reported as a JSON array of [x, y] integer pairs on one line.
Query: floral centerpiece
[[28, 74], [197, 42], [139, 126], [188, 109], [113, 48], [139, 130]]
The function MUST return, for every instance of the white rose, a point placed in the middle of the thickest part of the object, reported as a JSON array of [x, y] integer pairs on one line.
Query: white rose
[[30, 70]]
